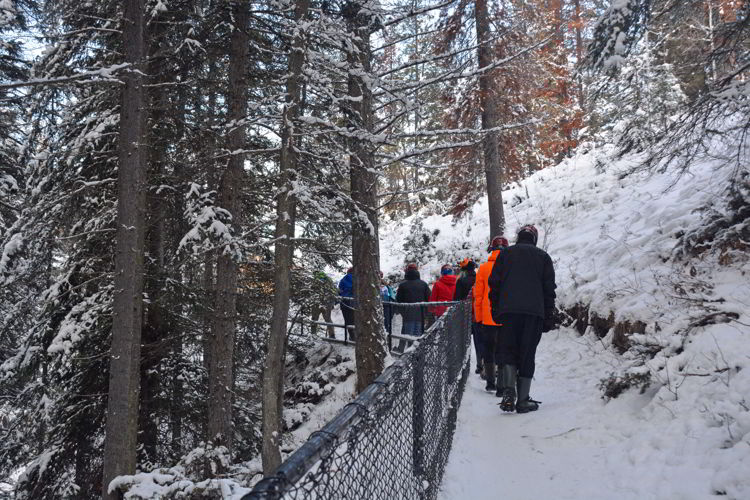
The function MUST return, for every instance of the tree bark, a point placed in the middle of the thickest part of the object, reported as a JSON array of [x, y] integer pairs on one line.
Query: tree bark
[[579, 50], [370, 348], [407, 203], [210, 146], [493, 167], [122, 404], [286, 208], [156, 328], [221, 362], [177, 388]]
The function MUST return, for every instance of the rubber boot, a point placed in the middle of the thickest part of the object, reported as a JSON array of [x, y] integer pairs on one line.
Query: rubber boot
[[525, 404], [500, 383], [489, 372], [509, 388], [479, 367]]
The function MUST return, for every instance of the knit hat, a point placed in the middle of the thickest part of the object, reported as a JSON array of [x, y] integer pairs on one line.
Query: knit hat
[[497, 243], [411, 266], [467, 264], [529, 231]]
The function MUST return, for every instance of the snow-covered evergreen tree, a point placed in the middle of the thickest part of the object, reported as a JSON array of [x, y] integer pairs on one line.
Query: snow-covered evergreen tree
[[635, 108]]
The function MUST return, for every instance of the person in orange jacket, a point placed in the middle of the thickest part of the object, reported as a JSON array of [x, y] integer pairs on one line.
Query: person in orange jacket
[[443, 290], [483, 310]]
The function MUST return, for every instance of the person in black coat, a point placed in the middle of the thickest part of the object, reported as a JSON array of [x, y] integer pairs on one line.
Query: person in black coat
[[522, 294], [463, 288], [412, 290], [466, 281]]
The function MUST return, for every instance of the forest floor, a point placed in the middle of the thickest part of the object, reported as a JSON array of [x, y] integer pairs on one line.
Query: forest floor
[[576, 445]]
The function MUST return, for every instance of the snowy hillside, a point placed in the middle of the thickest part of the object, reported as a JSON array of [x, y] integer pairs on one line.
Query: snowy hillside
[[654, 271]]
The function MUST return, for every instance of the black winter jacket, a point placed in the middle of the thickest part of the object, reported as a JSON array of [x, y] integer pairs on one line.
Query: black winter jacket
[[464, 284], [409, 291], [523, 282]]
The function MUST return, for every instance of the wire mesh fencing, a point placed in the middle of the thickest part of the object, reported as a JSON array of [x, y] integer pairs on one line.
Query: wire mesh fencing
[[393, 440], [402, 321]]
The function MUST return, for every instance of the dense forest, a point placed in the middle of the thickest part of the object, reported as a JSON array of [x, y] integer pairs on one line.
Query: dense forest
[[174, 172]]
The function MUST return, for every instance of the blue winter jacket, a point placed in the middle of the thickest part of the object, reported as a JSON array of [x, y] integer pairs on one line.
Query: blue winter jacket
[[346, 289]]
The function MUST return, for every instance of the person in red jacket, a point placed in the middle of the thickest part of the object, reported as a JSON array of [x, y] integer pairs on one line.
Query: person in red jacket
[[443, 290]]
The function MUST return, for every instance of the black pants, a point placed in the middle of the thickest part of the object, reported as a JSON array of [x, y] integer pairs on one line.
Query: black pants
[[490, 334], [348, 313], [517, 342], [388, 317], [476, 333]]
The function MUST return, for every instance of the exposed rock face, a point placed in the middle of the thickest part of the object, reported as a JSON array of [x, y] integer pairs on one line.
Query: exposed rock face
[[581, 318]]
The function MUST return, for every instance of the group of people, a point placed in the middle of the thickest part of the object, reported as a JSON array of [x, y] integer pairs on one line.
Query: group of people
[[513, 295], [412, 290], [514, 302]]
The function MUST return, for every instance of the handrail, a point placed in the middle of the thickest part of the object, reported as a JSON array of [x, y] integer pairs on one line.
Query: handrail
[[421, 391]]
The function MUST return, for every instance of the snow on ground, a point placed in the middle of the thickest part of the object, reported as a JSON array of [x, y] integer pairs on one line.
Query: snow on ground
[[609, 231], [330, 362], [614, 235], [577, 445], [343, 393]]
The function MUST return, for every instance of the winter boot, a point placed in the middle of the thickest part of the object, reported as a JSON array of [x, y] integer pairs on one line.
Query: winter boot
[[500, 383], [509, 388], [525, 404], [489, 372], [479, 367]]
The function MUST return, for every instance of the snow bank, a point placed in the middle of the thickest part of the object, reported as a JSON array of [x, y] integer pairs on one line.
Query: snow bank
[[617, 238], [579, 446]]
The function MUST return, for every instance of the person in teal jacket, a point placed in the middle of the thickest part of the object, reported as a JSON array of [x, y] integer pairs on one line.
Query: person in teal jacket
[[387, 295]]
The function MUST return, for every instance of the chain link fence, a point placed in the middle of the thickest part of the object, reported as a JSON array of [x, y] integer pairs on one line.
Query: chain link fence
[[393, 440], [402, 321]]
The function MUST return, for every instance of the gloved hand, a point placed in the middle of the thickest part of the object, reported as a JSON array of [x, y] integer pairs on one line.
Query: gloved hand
[[549, 322]]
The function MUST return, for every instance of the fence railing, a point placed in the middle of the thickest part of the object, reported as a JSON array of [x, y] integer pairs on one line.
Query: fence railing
[[393, 440], [403, 321]]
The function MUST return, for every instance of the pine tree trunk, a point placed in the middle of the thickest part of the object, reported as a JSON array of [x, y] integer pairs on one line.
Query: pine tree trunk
[[153, 334], [221, 362], [177, 401], [579, 50], [156, 327], [563, 80], [122, 403], [210, 148], [407, 203], [370, 349], [286, 208], [493, 167], [177, 404]]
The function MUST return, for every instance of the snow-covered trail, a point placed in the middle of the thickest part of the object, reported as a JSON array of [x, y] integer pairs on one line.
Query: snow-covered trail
[[576, 446]]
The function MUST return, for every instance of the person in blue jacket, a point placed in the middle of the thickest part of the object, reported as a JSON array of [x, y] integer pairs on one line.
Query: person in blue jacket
[[346, 297], [387, 296]]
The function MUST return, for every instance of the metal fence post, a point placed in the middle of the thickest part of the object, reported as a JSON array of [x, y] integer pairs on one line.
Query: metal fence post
[[394, 440], [418, 390]]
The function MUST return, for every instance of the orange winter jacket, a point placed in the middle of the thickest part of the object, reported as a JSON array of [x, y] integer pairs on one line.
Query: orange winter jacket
[[482, 306]]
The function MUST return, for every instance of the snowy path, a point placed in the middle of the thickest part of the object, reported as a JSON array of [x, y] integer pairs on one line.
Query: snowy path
[[575, 446]]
